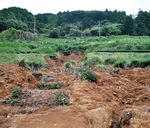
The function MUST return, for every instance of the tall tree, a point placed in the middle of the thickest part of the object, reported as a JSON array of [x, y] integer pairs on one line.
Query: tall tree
[[128, 26], [143, 23]]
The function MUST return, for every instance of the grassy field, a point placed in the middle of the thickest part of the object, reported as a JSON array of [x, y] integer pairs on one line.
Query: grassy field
[[93, 48], [8, 58], [123, 60]]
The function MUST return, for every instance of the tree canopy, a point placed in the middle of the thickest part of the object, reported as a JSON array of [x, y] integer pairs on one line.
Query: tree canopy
[[75, 23]]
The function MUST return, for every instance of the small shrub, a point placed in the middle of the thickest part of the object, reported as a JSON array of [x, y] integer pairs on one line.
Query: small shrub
[[55, 85], [22, 64], [70, 63], [102, 66], [92, 61], [88, 75], [34, 65], [32, 46], [144, 63], [43, 86], [16, 96], [110, 61], [29, 65], [61, 98], [134, 63], [120, 64]]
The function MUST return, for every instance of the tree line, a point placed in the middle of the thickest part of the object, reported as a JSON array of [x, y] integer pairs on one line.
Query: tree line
[[77, 23]]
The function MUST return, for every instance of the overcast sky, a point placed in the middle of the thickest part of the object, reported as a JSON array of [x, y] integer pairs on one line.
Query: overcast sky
[[55, 6]]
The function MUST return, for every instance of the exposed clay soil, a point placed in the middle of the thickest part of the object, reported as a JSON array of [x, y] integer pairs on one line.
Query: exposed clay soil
[[114, 101]]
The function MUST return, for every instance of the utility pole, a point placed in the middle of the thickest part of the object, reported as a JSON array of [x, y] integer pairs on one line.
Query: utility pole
[[99, 25], [34, 25]]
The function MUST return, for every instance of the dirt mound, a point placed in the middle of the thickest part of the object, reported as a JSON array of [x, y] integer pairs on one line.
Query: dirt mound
[[119, 98], [13, 76]]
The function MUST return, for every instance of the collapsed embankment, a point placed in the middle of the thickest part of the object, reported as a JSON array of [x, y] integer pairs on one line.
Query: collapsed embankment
[[115, 100]]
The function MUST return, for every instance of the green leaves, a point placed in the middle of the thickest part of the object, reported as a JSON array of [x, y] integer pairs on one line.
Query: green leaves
[[88, 75], [16, 96], [70, 63], [61, 98], [54, 85]]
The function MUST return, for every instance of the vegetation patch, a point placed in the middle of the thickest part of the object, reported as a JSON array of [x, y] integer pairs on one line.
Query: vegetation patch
[[30, 65], [120, 64], [61, 98], [70, 63], [110, 61], [88, 75], [92, 61], [24, 98], [17, 95], [55, 85]]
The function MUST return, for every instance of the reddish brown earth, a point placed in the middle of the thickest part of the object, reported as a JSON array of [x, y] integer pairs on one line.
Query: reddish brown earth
[[104, 104]]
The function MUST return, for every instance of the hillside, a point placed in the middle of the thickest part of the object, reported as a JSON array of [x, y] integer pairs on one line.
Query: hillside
[[76, 23], [15, 17]]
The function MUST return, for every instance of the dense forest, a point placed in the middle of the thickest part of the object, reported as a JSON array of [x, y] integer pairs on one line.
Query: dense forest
[[76, 23]]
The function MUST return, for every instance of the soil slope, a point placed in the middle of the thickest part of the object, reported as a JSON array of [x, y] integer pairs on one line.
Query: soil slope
[[116, 100]]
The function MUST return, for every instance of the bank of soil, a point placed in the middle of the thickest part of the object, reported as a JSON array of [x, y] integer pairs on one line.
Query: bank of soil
[[115, 100]]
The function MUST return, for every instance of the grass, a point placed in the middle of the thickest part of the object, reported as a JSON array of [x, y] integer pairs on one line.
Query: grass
[[33, 51], [7, 58], [117, 59]]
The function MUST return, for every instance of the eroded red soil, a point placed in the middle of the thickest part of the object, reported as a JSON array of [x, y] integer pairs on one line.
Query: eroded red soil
[[115, 100]]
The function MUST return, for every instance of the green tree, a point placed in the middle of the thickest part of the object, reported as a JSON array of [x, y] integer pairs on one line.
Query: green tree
[[54, 33], [128, 26], [95, 31], [75, 32], [143, 23], [141, 29], [111, 29]]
